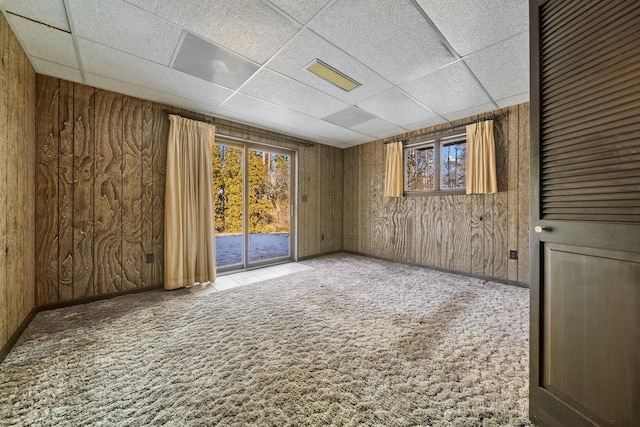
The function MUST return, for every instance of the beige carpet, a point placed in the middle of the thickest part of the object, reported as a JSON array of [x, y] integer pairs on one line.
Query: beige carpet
[[353, 342]]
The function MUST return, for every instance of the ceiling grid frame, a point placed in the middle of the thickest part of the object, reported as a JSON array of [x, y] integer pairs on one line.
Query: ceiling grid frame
[[490, 51]]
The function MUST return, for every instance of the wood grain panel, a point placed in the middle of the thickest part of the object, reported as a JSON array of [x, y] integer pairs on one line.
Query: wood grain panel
[[368, 221], [29, 237], [513, 212], [159, 162], [14, 176], [448, 232], [462, 233], [5, 333], [132, 193], [146, 163], [83, 197], [499, 208], [477, 220], [523, 194], [309, 203], [351, 207], [65, 191], [402, 219], [376, 203], [335, 228], [429, 231], [47, 191], [17, 190], [488, 225], [389, 228], [330, 165], [397, 228], [107, 245]]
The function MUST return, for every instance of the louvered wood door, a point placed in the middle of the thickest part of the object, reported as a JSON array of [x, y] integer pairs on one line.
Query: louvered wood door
[[585, 247]]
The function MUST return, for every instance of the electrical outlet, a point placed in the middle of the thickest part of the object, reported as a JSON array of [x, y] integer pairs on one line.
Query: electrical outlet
[[513, 254], [149, 258]]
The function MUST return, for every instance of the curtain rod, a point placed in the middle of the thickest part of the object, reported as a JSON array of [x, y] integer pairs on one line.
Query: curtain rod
[[432, 132], [213, 122]]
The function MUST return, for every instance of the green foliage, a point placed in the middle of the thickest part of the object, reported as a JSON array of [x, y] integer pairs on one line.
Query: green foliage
[[268, 176]]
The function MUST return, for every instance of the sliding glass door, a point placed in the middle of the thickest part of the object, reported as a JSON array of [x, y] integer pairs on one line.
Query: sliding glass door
[[269, 206], [252, 188]]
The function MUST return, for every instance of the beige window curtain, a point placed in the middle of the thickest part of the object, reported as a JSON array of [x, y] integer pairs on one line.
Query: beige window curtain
[[189, 240], [481, 159], [393, 170]]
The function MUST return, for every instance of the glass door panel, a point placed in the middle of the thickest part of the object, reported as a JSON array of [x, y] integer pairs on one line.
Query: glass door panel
[[269, 215], [227, 179]]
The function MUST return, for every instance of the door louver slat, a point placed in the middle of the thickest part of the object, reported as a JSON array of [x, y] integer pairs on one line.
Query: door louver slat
[[590, 153]]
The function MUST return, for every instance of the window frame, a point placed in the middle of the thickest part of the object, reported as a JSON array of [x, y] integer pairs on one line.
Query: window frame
[[437, 144]]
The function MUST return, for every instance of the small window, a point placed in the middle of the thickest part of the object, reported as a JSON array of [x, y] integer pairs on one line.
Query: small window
[[436, 165]]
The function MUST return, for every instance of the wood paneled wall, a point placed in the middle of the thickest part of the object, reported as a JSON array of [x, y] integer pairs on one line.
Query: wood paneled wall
[[100, 191], [17, 176], [470, 234]]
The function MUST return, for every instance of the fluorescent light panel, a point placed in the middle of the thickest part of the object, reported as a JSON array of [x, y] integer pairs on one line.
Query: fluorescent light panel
[[332, 75], [205, 60]]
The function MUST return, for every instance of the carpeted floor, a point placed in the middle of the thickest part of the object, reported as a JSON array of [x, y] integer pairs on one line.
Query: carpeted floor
[[352, 342]]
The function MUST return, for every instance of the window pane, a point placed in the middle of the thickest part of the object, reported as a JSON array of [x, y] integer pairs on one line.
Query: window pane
[[419, 169], [454, 157]]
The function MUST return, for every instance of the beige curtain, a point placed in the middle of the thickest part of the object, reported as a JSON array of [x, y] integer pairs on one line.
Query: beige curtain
[[481, 159], [393, 170], [189, 240]]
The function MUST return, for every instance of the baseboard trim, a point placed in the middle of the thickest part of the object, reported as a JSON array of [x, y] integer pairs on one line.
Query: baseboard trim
[[87, 300], [444, 270], [303, 258], [6, 349]]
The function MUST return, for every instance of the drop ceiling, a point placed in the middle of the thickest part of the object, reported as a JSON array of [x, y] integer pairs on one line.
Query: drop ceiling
[[418, 62]]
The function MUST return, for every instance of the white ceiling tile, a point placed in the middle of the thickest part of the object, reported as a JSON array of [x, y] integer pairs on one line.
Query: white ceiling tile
[[150, 5], [43, 42], [306, 47], [239, 117], [125, 27], [503, 69], [391, 38], [448, 89], [300, 10], [513, 100], [359, 141], [389, 133], [53, 69], [252, 107], [396, 107], [462, 114], [118, 86], [51, 12], [377, 126], [349, 117], [424, 124], [470, 25], [248, 27], [101, 60], [280, 90], [329, 130]]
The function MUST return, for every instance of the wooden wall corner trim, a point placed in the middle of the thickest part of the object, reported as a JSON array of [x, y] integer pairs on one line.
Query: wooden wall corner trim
[[13, 339]]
